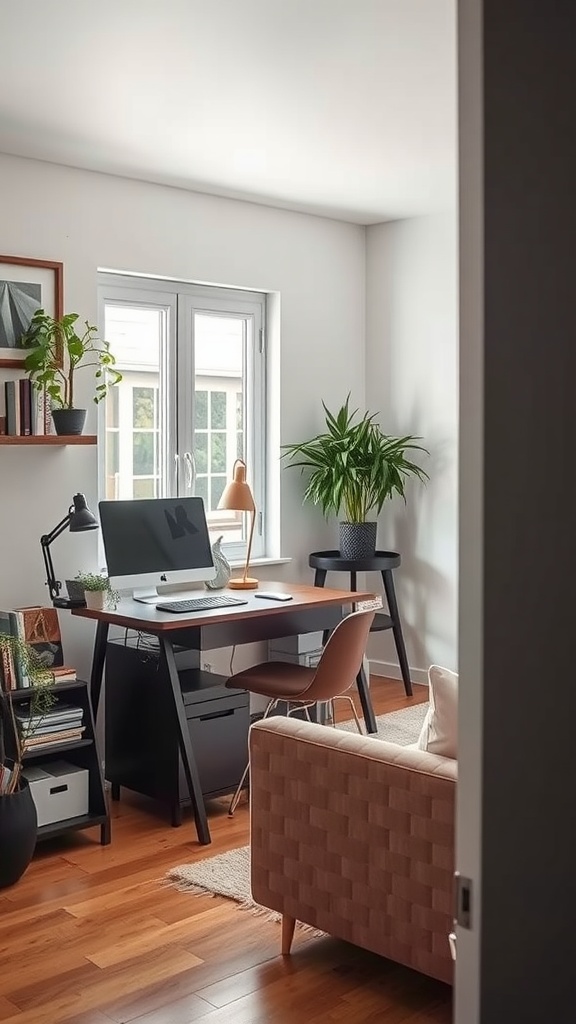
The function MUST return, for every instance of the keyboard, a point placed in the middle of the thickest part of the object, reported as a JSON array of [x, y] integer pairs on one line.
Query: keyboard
[[200, 604]]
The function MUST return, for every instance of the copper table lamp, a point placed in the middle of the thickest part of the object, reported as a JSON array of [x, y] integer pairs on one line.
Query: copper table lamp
[[237, 497]]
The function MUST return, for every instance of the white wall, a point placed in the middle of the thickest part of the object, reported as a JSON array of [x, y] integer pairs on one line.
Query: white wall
[[87, 220], [412, 382]]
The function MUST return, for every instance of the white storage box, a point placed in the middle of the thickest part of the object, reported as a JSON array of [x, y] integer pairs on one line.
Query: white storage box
[[59, 790], [301, 644], [310, 659]]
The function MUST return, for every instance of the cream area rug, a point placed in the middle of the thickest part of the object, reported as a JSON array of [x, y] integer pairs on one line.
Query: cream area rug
[[228, 874]]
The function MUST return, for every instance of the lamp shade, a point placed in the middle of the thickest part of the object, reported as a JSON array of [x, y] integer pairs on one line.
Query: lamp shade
[[237, 496], [81, 518]]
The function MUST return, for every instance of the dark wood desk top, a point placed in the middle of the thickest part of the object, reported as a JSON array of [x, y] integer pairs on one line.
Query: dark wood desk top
[[145, 617]]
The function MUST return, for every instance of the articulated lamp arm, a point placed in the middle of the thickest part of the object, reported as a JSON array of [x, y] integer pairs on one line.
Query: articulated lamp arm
[[54, 585]]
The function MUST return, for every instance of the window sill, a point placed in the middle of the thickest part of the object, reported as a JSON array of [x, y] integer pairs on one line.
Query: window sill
[[260, 561]]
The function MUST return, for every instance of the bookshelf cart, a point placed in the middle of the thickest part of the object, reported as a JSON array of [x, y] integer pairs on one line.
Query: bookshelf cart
[[84, 754]]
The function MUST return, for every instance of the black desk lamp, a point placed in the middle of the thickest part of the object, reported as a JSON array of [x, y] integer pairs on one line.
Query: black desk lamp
[[78, 519]]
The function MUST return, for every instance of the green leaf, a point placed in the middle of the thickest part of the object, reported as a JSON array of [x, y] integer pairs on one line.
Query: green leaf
[[56, 348], [354, 466]]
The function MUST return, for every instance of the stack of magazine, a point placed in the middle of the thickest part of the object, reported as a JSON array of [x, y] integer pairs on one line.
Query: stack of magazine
[[61, 724]]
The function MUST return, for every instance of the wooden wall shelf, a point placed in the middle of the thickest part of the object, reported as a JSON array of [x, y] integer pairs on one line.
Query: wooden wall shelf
[[49, 439]]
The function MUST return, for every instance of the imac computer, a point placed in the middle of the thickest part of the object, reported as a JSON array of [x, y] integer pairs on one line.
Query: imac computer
[[154, 542]]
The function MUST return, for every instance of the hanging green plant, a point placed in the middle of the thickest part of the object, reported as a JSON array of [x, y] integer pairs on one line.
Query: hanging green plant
[[16, 655]]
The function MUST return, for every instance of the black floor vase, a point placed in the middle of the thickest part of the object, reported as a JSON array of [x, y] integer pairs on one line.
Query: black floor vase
[[18, 824]]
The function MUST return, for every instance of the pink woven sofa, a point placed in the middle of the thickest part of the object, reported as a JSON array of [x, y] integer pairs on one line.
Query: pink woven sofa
[[355, 837]]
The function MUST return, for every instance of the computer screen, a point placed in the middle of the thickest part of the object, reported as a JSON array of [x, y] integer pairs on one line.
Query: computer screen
[[154, 542]]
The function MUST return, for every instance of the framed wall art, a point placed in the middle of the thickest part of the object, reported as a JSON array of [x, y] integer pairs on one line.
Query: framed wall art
[[25, 286]]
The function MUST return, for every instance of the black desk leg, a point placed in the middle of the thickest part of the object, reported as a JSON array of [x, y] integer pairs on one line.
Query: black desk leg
[[185, 744], [98, 658], [319, 581], [366, 702], [397, 629]]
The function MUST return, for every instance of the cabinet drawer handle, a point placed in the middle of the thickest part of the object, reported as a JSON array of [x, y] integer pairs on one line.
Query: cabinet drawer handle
[[216, 714], [58, 789]]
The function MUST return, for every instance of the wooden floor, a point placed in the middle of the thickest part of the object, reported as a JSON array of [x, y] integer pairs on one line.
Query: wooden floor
[[92, 935]]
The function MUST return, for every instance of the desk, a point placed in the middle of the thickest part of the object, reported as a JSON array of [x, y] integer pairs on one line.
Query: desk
[[313, 609]]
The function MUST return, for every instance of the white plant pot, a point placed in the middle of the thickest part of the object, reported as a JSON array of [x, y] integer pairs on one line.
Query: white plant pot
[[95, 599]]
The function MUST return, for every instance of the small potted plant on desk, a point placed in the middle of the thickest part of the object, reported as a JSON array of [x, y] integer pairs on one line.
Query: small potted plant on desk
[[98, 593], [18, 820], [355, 468], [57, 348]]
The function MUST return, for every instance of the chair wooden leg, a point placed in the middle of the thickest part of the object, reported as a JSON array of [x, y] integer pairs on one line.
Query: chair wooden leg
[[288, 925]]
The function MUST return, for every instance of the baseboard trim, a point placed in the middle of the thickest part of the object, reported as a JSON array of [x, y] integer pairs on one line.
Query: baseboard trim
[[392, 671]]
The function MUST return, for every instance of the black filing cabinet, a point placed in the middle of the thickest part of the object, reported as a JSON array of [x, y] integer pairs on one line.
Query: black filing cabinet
[[141, 744]]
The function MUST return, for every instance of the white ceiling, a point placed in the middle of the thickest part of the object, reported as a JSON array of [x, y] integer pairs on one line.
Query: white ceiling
[[345, 108]]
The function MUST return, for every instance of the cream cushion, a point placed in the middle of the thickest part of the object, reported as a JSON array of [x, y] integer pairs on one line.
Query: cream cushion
[[439, 733]]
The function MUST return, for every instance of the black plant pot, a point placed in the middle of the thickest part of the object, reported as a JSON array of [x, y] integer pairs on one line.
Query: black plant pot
[[18, 825], [357, 540], [69, 421]]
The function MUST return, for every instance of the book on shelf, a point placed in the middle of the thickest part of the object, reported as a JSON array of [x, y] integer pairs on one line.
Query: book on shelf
[[52, 738], [9, 677], [46, 728], [60, 714], [6, 774], [38, 626], [12, 396], [28, 410], [37, 425], [25, 388], [64, 674], [7, 671], [67, 718]]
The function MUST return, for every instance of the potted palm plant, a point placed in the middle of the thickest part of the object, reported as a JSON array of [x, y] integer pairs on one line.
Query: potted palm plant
[[354, 468], [18, 819], [57, 348]]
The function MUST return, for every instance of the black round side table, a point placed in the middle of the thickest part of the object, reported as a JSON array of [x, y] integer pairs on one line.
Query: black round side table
[[384, 562]]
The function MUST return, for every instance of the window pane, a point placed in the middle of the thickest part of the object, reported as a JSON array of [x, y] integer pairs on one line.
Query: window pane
[[145, 489], [201, 410], [201, 488], [218, 453], [218, 484], [143, 454], [201, 453], [220, 366], [217, 409], [143, 407], [136, 335]]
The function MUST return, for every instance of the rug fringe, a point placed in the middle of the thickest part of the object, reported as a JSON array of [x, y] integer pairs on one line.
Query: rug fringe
[[248, 906]]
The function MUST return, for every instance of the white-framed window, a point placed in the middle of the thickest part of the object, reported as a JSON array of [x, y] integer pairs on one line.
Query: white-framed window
[[192, 397]]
